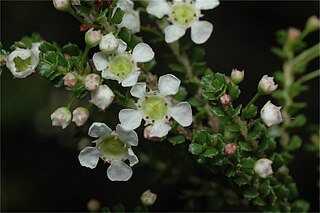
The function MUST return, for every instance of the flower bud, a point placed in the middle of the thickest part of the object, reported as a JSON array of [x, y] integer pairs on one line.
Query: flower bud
[[263, 167], [80, 116], [22, 62], [266, 85], [225, 99], [70, 80], [61, 5], [61, 117], [293, 34], [230, 148], [108, 44], [92, 82], [92, 37], [102, 97], [148, 198], [93, 205], [270, 114], [313, 23], [146, 134], [237, 76]]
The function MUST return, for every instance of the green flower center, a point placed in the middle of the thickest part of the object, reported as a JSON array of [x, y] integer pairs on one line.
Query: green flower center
[[121, 66], [155, 107], [111, 147], [183, 13], [22, 64]]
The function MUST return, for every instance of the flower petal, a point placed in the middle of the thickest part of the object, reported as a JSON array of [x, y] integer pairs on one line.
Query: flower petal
[[201, 31], [168, 85], [119, 171], [131, 79], [121, 47], [173, 33], [125, 5], [158, 8], [131, 20], [89, 157], [142, 52], [130, 118], [159, 129], [133, 159], [98, 129], [139, 90], [127, 135], [182, 113], [206, 4], [100, 61]]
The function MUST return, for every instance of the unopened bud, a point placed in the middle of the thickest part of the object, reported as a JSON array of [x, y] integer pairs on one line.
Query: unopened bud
[[263, 167], [225, 99], [148, 198], [271, 114], [102, 97], [237, 76], [93, 205], [92, 82], [293, 34], [230, 148], [313, 23], [62, 5], [108, 44], [70, 80], [80, 116], [61, 117], [266, 85], [93, 37]]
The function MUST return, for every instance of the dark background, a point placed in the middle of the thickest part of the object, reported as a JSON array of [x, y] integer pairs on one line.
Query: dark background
[[39, 165]]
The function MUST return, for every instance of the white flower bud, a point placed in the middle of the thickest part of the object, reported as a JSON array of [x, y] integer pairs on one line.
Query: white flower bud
[[148, 198], [266, 85], [61, 117], [313, 23], [270, 114], [92, 82], [225, 99], [102, 97], [263, 167], [80, 116], [108, 44], [70, 80], [22, 62], [237, 76], [93, 37], [61, 5]]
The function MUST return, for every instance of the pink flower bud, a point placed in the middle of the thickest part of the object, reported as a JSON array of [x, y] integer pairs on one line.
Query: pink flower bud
[[225, 99], [230, 148], [237, 76], [266, 85], [93, 205], [61, 117], [293, 34], [70, 80], [263, 167], [62, 5], [92, 82], [80, 116], [313, 23], [102, 97], [270, 114], [93, 37], [148, 198]]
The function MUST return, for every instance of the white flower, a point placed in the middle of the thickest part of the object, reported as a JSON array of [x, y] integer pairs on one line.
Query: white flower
[[61, 5], [237, 76], [61, 117], [102, 97], [80, 116], [271, 114], [131, 18], [123, 65], [22, 62], [156, 108], [113, 147], [184, 15], [92, 82], [92, 37], [263, 167], [266, 85]]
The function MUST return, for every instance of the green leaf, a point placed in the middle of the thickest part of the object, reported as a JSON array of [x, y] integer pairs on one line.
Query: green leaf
[[241, 181], [210, 153], [118, 208], [267, 144], [295, 143], [295, 89], [232, 127], [46, 46], [279, 53], [246, 146], [277, 160], [295, 107], [217, 111], [250, 193], [231, 171], [258, 130], [217, 161], [71, 49], [45, 69], [81, 10], [117, 17], [235, 112], [125, 34], [198, 68], [213, 85], [233, 90], [148, 66], [247, 163], [258, 201], [203, 137], [179, 139], [300, 206], [102, 14], [265, 187], [251, 112], [177, 68], [297, 122], [134, 40], [181, 94], [195, 148], [281, 191], [198, 54]]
